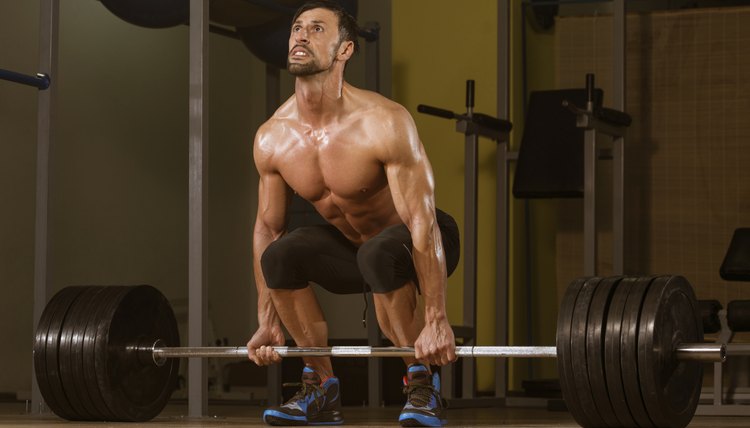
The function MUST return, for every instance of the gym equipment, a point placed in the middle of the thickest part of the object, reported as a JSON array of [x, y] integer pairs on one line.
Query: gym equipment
[[735, 318], [111, 353], [473, 125], [41, 81], [149, 13], [262, 25]]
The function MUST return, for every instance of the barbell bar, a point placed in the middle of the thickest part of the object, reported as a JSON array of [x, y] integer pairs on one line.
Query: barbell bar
[[704, 352], [629, 351]]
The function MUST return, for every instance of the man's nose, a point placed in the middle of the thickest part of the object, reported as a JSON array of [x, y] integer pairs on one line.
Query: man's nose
[[301, 36]]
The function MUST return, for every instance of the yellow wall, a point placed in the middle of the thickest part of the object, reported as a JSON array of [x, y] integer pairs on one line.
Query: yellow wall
[[542, 213], [436, 48]]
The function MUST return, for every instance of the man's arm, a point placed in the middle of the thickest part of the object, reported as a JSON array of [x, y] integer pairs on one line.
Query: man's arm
[[270, 224], [411, 181]]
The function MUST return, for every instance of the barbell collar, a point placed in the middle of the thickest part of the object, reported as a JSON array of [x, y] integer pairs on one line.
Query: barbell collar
[[706, 352]]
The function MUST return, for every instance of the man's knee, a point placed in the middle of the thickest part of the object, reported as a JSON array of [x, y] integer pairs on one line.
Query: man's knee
[[386, 264], [281, 263]]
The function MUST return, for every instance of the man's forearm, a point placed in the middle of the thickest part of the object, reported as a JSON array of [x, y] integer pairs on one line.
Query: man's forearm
[[429, 263], [266, 310]]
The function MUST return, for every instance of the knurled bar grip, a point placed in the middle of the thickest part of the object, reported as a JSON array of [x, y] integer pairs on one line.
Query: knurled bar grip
[[707, 352]]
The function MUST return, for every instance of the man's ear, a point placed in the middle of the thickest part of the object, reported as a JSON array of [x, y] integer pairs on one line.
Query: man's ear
[[346, 50]]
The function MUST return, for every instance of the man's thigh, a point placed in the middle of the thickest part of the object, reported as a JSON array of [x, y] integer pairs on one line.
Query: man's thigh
[[319, 254]]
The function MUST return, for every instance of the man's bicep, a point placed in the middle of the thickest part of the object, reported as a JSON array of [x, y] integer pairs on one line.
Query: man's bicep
[[411, 180]]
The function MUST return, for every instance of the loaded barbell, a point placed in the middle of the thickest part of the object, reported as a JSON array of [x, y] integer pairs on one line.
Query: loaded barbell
[[629, 352]]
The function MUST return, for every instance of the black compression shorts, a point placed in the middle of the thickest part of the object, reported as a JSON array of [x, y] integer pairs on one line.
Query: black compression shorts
[[321, 254]]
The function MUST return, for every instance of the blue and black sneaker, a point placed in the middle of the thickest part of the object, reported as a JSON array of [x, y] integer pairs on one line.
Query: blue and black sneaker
[[313, 404], [424, 405]]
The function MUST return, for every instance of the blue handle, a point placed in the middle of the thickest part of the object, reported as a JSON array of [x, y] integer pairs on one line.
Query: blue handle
[[40, 81]]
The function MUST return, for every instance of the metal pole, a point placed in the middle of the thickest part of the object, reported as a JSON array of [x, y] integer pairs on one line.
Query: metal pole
[[589, 203], [503, 111], [273, 100], [471, 159], [355, 351], [49, 24], [372, 59], [618, 148], [198, 187], [374, 366], [707, 352]]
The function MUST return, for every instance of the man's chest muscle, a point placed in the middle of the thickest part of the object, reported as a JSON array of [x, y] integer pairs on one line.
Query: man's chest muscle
[[347, 171]]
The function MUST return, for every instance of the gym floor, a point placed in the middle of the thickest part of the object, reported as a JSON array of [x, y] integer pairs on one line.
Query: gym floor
[[14, 414]]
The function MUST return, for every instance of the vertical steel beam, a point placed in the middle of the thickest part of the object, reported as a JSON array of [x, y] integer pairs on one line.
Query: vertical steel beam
[[197, 202], [374, 365], [589, 203], [273, 89], [471, 154], [273, 100], [49, 23], [501, 262], [619, 38], [372, 59]]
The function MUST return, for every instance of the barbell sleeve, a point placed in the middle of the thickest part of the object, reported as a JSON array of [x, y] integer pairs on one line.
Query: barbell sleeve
[[706, 352]]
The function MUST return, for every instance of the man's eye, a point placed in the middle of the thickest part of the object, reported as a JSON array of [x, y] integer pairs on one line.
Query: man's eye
[[318, 28]]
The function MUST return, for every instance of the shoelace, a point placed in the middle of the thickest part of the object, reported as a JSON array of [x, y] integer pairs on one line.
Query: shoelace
[[304, 390], [419, 395]]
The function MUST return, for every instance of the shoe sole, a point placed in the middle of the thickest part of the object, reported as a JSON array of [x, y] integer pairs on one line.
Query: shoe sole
[[417, 420], [328, 419]]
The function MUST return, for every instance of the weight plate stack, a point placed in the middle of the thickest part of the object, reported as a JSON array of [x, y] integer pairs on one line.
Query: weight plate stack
[[134, 388]]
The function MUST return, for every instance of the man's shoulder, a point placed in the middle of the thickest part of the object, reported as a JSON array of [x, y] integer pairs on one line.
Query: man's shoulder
[[379, 103]]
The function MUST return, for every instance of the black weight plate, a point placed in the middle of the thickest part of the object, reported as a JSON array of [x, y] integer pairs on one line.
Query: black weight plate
[[671, 388], [102, 305], [60, 305], [612, 366], [629, 352], [69, 356], [84, 310], [578, 352], [564, 358], [39, 351], [596, 327], [134, 388], [100, 350], [98, 354]]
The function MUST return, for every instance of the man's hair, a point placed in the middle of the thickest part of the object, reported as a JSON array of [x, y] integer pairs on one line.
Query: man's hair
[[348, 28]]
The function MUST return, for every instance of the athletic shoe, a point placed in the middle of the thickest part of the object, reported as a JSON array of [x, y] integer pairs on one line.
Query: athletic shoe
[[424, 405], [313, 404]]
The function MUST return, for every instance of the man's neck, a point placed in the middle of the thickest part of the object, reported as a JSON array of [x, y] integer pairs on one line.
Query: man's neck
[[319, 97]]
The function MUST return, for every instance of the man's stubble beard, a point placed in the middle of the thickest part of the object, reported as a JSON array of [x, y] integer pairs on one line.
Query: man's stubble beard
[[311, 68], [303, 70]]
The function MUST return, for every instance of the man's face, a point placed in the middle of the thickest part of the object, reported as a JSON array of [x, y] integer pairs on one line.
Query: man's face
[[313, 42]]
